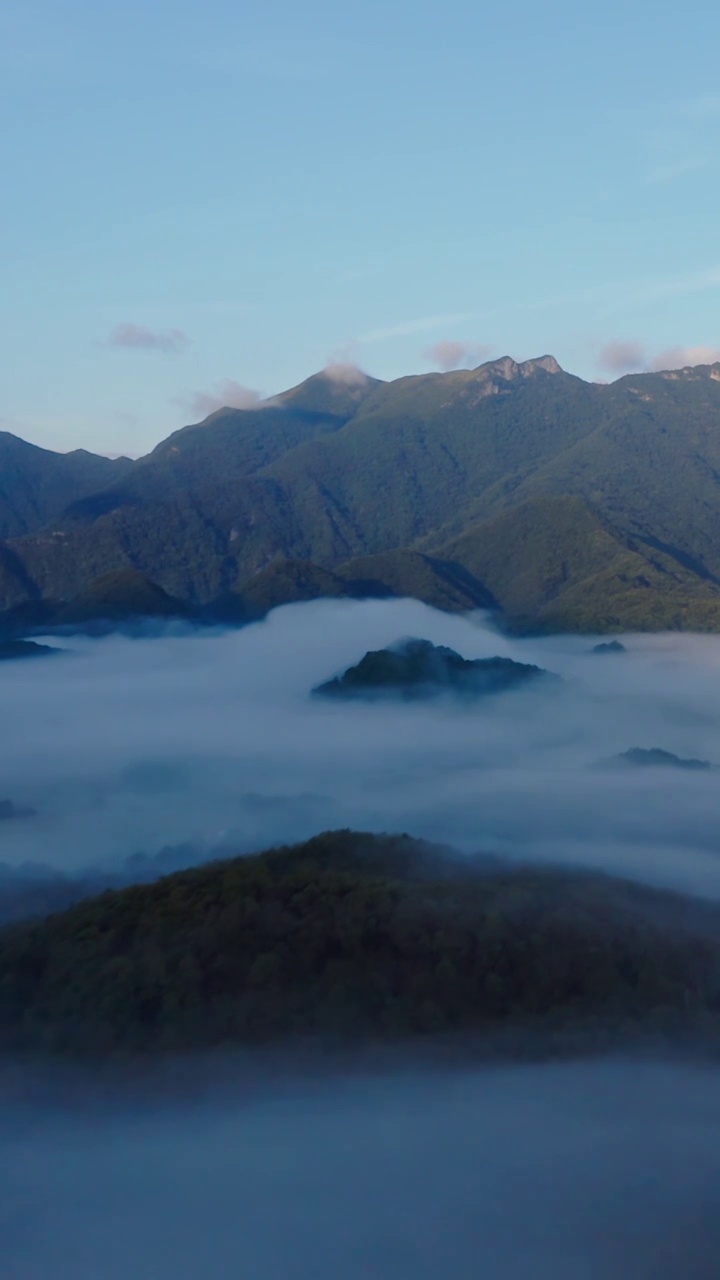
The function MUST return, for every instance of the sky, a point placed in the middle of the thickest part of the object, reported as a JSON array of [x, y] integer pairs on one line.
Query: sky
[[205, 199]]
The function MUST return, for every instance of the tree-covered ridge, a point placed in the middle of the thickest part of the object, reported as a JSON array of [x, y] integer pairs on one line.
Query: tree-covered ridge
[[36, 485], [351, 935]]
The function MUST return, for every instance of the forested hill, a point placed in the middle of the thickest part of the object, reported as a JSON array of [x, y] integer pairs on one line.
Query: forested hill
[[356, 936], [560, 502]]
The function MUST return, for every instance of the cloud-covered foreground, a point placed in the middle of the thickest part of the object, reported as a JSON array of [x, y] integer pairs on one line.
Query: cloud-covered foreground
[[579, 1172], [129, 745]]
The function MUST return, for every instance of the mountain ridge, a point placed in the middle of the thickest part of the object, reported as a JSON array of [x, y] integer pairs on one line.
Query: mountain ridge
[[507, 474]]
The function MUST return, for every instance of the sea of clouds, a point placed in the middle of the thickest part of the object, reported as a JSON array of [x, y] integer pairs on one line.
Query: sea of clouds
[[592, 1171], [128, 745], [575, 1172]]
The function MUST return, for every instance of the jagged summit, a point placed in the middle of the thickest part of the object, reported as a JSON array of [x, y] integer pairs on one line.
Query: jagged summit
[[548, 363], [693, 372], [509, 369]]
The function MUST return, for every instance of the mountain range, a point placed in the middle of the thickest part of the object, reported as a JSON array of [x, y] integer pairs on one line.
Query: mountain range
[[516, 486]]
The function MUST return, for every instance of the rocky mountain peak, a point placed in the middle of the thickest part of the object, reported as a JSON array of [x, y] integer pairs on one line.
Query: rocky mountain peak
[[509, 370]]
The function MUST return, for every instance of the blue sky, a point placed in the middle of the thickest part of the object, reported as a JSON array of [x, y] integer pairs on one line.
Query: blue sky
[[203, 198]]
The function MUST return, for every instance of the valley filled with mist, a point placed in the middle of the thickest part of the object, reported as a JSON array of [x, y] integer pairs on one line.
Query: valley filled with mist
[[210, 741], [411, 1120], [573, 1172]]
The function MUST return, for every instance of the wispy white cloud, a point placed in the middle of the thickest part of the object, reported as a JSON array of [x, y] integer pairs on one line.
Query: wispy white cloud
[[138, 337], [680, 285], [228, 395], [345, 373], [704, 106], [455, 355], [631, 356], [663, 173], [684, 357], [621, 294], [424, 324], [681, 138], [612, 296], [622, 357]]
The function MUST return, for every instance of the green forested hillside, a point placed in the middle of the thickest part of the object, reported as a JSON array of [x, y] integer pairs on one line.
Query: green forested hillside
[[437, 582], [37, 484], [117, 597], [358, 936], [554, 563], [568, 504]]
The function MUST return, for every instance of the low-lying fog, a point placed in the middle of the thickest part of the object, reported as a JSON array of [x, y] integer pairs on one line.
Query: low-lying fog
[[574, 1172], [580, 1172], [127, 745]]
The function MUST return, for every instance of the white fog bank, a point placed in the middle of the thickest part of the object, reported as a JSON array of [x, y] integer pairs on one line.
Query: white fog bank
[[126, 745], [583, 1172]]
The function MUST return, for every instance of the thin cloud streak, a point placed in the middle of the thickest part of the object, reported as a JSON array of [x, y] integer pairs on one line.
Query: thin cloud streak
[[137, 337], [705, 106], [620, 293], [615, 295], [671, 172], [425, 324]]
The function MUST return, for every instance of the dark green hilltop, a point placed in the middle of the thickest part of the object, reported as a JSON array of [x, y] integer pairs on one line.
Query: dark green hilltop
[[657, 758], [13, 650], [416, 669], [354, 936], [561, 504]]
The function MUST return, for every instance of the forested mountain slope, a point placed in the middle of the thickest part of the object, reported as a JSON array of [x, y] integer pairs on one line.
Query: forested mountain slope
[[567, 503], [37, 484]]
